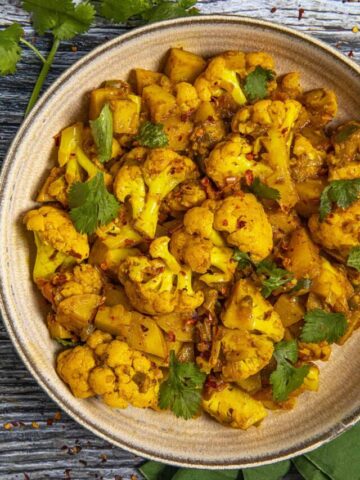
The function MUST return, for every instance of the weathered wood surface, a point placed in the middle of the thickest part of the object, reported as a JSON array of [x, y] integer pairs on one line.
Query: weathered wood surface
[[63, 449]]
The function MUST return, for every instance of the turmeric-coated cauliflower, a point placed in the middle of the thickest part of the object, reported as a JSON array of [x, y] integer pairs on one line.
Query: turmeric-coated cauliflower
[[244, 221]]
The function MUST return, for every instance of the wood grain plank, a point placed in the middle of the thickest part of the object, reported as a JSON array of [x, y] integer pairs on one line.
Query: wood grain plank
[[41, 452]]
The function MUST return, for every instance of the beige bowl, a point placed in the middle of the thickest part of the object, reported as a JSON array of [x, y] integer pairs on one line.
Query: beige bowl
[[202, 442]]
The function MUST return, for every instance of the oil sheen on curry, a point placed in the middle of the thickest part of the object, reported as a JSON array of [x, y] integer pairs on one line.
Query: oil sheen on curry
[[198, 239]]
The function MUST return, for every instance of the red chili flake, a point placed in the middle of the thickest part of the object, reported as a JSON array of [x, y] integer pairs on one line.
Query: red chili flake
[[301, 13], [249, 177], [64, 447], [225, 223], [49, 422], [26, 476], [241, 224], [171, 336], [350, 54], [273, 10], [250, 156]]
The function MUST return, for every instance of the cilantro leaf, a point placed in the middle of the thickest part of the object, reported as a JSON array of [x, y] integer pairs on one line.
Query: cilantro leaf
[[242, 258], [181, 392], [286, 378], [302, 284], [255, 85], [152, 135], [67, 342], [276, 277], [91, 204], [10, 50], [120, 11], [346, 132], [261, 190], [354, 258], [286, 351], [102, 130], [320, 325], [341, 192], [63, 18], [166, 10]]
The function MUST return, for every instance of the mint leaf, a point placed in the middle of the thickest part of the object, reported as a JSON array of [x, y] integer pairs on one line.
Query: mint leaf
[[340, 192], [10, 50], [255, 85], [152, 135], [102, 130], [63, 18], [91, 204], [261, 190], [320, 325], [354, 258]]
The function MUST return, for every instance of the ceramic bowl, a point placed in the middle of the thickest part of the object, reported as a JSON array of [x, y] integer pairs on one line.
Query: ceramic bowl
[[318, 417]]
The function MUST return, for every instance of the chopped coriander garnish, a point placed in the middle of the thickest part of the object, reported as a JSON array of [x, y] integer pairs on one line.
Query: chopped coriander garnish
[[354, 258], [102, 130], [261, 190], [255, 85], [91, 204], [152, 135], [276, 277], [340, 192], [320, 325], [346, 132], [242, 258], [181, 392]]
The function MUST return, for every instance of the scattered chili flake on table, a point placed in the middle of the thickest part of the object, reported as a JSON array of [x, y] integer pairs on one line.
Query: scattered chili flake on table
[[350, 54], [35, 425], [301, 13], [273, 10], [8, 426], [26, 476], [103, 458]]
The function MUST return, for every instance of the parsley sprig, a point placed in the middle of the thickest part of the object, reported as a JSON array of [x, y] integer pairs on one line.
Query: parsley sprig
[[320, 325], [339, 192], [91, 204], [286, 378], [256, 83], [152, 135], [181, 392]]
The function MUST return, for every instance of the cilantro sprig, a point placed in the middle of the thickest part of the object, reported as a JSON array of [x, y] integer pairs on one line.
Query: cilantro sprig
[[286, 378], [67, 342], [102, 131], [261, 190], [275, 277], [256, 83], [339, 192], [152, 135], [121, 11], [354, 258], [91, 204], [242, 258], [320, 325], [10, 50], [181, 392], [346, 132]]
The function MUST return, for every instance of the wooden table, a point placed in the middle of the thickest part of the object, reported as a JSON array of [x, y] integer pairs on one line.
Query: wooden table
[[42, 445]]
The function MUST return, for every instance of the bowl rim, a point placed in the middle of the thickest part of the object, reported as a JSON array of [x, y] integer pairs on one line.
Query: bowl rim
[[9, 320]]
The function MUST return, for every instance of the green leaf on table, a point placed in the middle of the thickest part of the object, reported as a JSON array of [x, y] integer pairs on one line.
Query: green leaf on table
[[275, 277], [152, 135], [261, 190], [165, 10], [181, 391], [256, 82], [10, 50], [320, 325], [242, 258], [64, 18], [286, 378], [120, 11], [342, 193], [346, 132], [157, 471], [199, 474], [274, 471], [308, 470], [91, 204], [102, 131], [354, 258]]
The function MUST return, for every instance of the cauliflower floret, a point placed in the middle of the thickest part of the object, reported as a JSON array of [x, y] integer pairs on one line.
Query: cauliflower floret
[[186, 97], [230, 159], [246, 223], [306, 162], [321, 105], [289, 86], [57, 240], [231, 406], [221, 76], [339, 232], [247, 309], [77, 312], [82, 279], [102, 380], [186, 195], [344, 162], [74, 366], [245, 354], [119, 233], [160, 173], [199, 221], [314, 351]]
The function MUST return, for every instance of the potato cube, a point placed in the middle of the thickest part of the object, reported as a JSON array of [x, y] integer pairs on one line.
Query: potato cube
[[161, 104], [99, 97], [126, 114], [143, 78], [182, 66]]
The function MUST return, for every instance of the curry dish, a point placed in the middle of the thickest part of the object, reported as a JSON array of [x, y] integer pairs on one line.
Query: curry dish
[[198, 240]]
